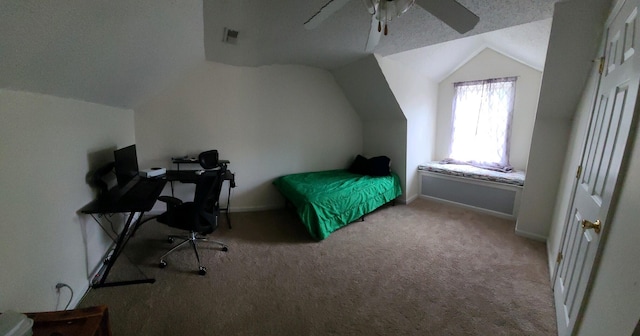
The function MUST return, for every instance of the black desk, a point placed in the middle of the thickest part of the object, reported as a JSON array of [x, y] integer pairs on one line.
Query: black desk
[[113, 202], [192, 160]]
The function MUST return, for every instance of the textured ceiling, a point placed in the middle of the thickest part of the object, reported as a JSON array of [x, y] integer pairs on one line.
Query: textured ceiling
[[526, 43], [120, 52], [272, 32]]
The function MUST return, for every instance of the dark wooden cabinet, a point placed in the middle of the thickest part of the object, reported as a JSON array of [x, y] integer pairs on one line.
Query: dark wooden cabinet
[[92, 321]]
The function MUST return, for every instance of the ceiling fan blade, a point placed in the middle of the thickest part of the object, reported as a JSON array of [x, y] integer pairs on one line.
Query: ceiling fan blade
[[327, 10], [452, 13], [374, 35]]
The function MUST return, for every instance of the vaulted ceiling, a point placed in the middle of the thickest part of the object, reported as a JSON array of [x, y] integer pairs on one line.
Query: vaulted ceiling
[[119, 52], [272, 31]]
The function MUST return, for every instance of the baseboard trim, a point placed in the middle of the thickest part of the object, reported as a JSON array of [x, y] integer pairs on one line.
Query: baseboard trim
[[258, 208], [531, 236], [552, 264], [411, 199]]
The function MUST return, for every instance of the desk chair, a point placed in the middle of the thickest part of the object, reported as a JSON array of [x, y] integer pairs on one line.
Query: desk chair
[[208, 159], [199, 217]]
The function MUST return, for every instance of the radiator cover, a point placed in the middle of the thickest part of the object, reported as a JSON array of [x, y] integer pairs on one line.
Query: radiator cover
[[492, 197]]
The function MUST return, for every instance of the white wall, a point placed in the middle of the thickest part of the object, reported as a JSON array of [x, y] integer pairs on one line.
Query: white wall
[[575, 36], [572, 161], [384, 123], [388, 137], [48, 147], [268, 121], [418, 98], [491, 64]]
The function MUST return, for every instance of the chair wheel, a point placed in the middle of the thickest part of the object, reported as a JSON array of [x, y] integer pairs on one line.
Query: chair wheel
[[162, 264], [224, 249], [202, 270], [170, 240]]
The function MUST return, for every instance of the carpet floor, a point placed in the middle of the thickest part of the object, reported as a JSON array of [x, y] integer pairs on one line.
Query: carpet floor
[[420, 269]]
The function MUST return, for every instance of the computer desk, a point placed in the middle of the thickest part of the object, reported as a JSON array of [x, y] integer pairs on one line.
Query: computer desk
[[112, 202], [192, 160]]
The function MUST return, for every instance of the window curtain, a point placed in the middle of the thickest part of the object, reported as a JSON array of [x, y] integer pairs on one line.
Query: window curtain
[[482, 113]]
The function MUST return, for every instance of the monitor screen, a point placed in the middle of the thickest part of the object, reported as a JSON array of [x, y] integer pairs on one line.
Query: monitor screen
[[126, 164]]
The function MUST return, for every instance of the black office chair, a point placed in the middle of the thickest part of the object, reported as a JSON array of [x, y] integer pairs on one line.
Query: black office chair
[[199, 217], [208, 159]]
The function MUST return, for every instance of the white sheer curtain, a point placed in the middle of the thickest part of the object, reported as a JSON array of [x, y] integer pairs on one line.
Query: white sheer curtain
[[482, 113]]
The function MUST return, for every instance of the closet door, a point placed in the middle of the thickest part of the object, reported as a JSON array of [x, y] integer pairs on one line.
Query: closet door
[[603, 154]]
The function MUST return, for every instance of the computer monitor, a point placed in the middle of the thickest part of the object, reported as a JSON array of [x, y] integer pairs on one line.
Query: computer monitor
[[126, 164]]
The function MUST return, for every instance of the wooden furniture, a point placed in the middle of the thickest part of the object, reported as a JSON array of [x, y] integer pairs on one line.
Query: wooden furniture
[[92, 321]]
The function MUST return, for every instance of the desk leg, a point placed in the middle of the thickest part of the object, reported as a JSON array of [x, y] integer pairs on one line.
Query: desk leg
[[228, 206], [120, 244]]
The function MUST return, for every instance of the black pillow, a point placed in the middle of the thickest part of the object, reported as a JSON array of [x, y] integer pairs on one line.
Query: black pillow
[[360, 165], [379, 166]]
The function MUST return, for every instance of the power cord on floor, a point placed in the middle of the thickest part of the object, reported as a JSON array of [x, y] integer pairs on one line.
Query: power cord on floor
[[60, 285]]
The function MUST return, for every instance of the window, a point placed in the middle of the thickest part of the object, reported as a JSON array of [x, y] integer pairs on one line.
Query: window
[[482, 112]]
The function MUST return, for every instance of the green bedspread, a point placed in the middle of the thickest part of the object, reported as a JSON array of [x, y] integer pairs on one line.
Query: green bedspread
[[329, 200]]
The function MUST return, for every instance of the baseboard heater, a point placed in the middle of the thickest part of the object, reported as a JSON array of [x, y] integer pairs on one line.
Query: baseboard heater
[[495, 198]]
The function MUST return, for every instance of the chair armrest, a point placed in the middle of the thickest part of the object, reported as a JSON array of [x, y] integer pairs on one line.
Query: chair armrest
[[206, 171], [173, 201]]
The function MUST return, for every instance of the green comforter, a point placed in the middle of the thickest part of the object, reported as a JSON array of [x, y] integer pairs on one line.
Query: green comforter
[[329, 200]]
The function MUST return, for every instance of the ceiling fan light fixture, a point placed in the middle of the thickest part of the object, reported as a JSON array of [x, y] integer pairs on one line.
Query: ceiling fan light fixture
[[387, 10], [370, 5]]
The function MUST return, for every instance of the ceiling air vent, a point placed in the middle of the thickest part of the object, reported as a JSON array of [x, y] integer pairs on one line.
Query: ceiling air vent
[[230, 36]]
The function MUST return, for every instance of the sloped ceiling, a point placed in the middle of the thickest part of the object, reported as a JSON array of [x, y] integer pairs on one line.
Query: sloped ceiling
[[120, 52], [113, 52], [368, 91], [526, 43], [272, 32]]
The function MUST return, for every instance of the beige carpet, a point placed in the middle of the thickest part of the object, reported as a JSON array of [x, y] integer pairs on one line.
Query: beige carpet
[[419, 269]]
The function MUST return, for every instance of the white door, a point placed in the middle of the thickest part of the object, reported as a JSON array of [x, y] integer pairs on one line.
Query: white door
[[602, 160]]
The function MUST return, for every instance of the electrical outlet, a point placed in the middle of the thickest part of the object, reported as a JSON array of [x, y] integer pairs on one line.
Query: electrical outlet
[[61, 285]]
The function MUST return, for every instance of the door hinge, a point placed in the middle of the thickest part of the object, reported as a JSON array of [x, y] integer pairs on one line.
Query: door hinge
[[601, 67], [559, 257], [579, 171]]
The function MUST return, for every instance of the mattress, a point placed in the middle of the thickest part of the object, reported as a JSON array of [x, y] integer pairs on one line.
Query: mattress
[[328, 200]]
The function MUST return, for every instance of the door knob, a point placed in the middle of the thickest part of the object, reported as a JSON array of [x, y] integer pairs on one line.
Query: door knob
[[591, 225]]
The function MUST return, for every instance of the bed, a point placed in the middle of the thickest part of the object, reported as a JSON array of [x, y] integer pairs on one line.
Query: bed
[[329, 200]]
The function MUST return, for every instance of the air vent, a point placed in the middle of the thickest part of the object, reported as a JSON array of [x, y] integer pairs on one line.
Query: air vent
[[230, 36]]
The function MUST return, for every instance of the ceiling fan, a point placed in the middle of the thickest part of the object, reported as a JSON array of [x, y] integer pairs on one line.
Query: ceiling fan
[[450, 12]]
